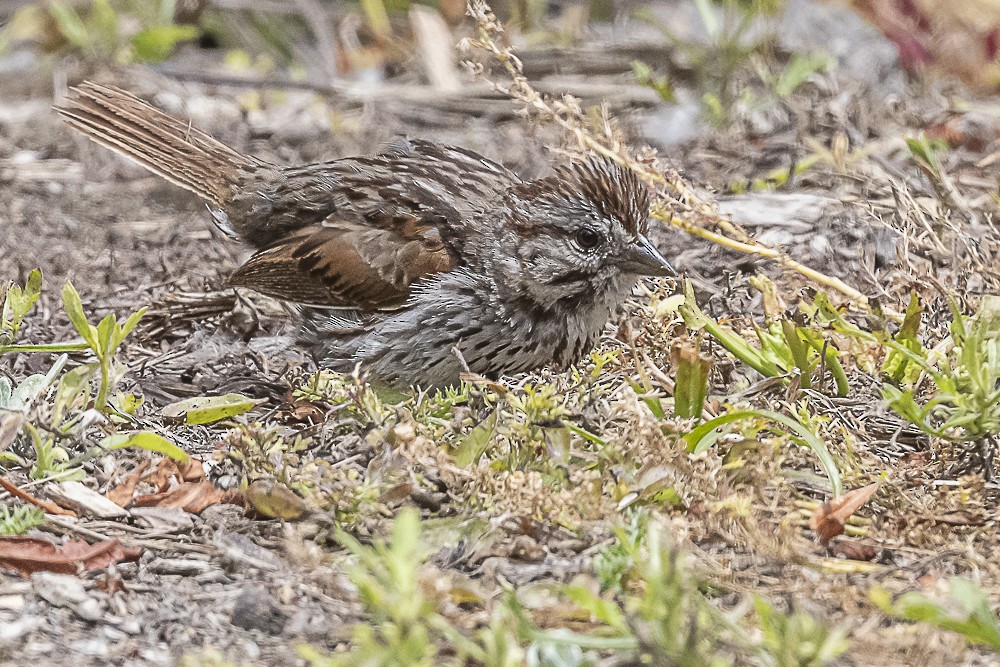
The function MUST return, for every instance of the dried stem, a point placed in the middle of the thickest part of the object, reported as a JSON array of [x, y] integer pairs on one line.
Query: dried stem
[[677, 203]]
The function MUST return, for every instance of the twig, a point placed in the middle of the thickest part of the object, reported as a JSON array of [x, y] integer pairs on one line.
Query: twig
[[49, 507]]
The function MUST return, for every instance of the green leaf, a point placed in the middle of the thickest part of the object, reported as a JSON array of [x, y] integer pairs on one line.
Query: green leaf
[[70, 25], [29, 390], [798, 70], [151, 442], [652, 401], [645, 76], [102, 26], [925, 150], [130, 324], [105, 335], [74, 309], [208, 409], [695, 439], [584, 433], [128, 403], [974, 618], [19, 301], [474, 445], [898, 365], [798, 352], [691, 382], [6, 391], [695, 319], [378, 17], [156, 43], [605, 611]]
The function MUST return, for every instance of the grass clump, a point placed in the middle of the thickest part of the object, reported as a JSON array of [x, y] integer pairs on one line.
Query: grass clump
[[962, 405], [112, 31], [966, 611], [59, 407], [654, 613], [20, 519]]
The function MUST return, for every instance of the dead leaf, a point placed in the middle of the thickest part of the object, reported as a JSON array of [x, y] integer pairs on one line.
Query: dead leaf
[[828, 521], [163, 474], [396, 493], [169, 472], [929, 579], [853, 550], [111, 583], [122, 494], [275, 500], [49, 507], [963, 131], [191, 470], [31, 554], [192, 497], [302, 412], [84, 500], [10, 426]]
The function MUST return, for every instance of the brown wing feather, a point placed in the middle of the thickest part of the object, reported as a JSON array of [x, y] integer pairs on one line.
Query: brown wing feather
[[346, 265]]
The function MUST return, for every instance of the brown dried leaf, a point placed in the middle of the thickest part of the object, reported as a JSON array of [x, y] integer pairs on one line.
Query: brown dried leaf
[[302, 412], [853, 550], [169, 472], [163, 474], [122, 494], [191, 470], [111, 583], [396, 494], [31, 554], [828, 521], [192, 497], [10, 426]]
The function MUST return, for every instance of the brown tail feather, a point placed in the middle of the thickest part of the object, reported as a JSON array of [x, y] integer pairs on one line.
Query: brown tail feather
[[161, 143]]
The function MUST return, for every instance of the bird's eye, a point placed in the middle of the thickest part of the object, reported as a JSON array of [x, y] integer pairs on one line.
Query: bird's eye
[[588, 239]]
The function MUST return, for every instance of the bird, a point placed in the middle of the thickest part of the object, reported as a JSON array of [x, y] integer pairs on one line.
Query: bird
[[419, 263]]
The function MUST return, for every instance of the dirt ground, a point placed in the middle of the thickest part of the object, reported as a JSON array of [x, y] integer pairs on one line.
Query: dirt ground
[[251, 589]]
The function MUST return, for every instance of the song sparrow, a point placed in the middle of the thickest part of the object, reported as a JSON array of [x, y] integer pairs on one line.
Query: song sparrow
[[426, 257]]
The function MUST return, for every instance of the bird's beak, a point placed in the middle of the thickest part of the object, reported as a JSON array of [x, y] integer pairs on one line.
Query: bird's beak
[[643, 259]]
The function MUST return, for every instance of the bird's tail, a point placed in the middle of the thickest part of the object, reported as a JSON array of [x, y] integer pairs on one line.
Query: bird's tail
[[168, 147]]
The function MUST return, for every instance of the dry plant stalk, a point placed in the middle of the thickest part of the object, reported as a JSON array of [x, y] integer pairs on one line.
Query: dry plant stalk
[[676, 202]]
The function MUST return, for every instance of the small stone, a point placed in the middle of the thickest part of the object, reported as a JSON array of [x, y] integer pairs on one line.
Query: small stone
[[404, 432], [64, 590], [39, 647], [256, 609], [156, 656], [131, 626], [12, 602], [96, 647], [11, 632], [241, 550], [819, 244]]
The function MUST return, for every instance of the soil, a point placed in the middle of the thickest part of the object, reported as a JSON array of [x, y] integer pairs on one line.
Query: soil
[[247, 588]]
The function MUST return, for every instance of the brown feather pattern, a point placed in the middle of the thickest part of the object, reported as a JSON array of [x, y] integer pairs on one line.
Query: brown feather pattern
[[159, 142]]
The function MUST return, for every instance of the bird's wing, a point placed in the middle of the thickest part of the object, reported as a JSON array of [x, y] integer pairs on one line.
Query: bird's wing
[[347, 264]]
